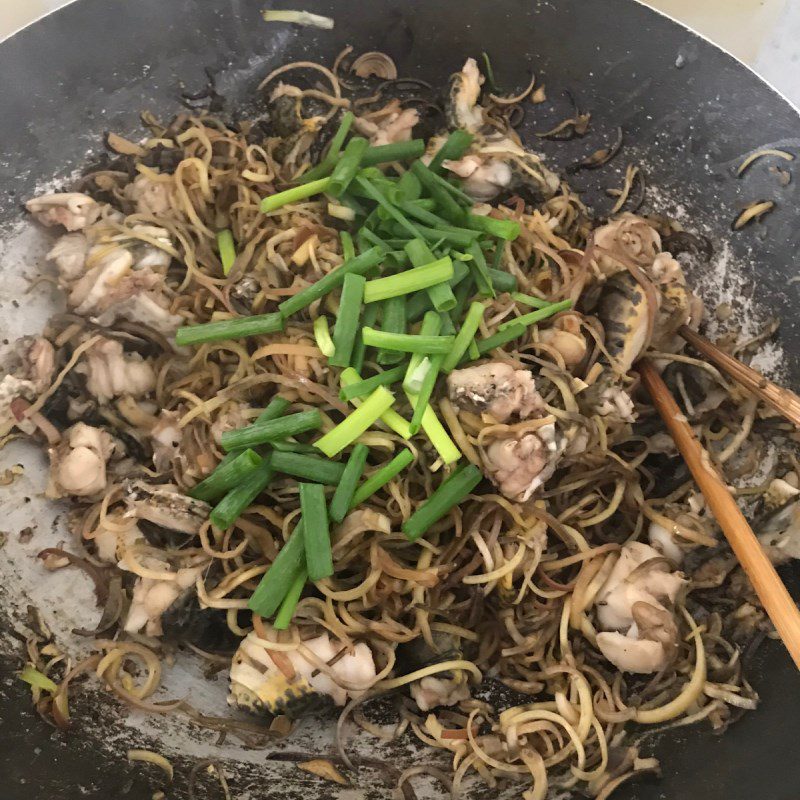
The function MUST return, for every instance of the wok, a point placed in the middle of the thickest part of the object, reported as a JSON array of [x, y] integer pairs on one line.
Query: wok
[[690, 112]]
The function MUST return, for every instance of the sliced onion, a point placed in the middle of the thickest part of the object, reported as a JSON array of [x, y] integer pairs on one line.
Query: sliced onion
[[374, 64], [691, 691], [150, 757]]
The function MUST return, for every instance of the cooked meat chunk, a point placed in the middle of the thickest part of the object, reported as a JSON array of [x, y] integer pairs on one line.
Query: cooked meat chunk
[[496, 389], [151, 197], [630, 654], [110, 542], [432, 692], [69, 254], [565, 336], [153, 596], [111, 372], [256, 681], [78, 463], [72, 210], [634, 610], [110, 282], [520, 466], [166, 439], [617, 404], [663, 540], [484, 177], [29, 372], [393, 127]]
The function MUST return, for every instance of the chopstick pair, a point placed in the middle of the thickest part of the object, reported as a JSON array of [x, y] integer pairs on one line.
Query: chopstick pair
[[777, 602]]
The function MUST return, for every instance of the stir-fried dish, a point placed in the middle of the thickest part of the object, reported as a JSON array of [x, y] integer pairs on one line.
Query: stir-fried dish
[[344, 396]]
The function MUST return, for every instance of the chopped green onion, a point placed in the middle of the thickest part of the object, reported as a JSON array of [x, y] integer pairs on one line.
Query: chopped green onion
[[437, 435], [301, 192], [227, 250], [414, 280], [463, 293], [372, 238], [458, 237], [368, 385], [230, 508], [393, 320], [530, 300], [450, 493], [538, 315], [322, 336], [506, 229], [372, 191], [298, 18], [348, 251], [480, 271], [359, 348], [32, 676], [423, 394], [455, 146], [227, 475], [279, 578], [356, 423], [448, 329], [448, 206], [407, 189], [432, 182], [286, 611], [407, 342], [274, 409], [502, 281], [419, 304], [431, 325], [389, 418], [316, 532], [312, 468], [460, 269], [238, 328], [396, 151], [420, 213], [379, 181], [260, 432], [288, 446], [333, 280], [464, 337], [500, 338], [343, 496], [240, 497], [441, 295], [413, 382], [382, 476], [347, 166], [327, 164], [348, 200], [347, 320]]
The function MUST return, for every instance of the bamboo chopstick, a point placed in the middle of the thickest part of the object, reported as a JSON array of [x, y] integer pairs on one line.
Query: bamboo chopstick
[[784, 401], [775, 598]]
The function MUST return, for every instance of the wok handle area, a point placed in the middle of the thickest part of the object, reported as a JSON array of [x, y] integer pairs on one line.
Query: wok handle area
[[769, 587]]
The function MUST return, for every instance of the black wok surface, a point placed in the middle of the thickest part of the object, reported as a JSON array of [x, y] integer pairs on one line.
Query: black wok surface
[[690, 112]]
